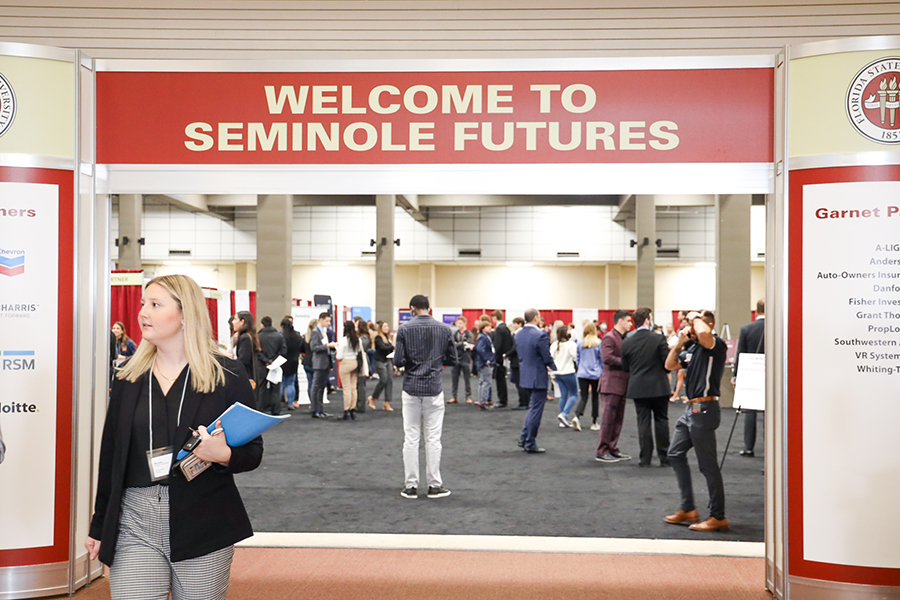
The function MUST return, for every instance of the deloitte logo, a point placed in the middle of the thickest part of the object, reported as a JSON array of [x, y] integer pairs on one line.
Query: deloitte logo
[[873, 101], [7, 105]]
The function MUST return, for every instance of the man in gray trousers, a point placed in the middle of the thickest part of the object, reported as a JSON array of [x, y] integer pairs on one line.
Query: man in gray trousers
[[424, 346]]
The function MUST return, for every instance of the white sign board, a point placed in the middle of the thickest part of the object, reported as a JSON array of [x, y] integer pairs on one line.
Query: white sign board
[[750, 387], [29, 265], [851, 373]]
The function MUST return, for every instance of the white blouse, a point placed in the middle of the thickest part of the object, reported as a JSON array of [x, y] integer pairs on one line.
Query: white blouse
[[344, 350], [564, 355]]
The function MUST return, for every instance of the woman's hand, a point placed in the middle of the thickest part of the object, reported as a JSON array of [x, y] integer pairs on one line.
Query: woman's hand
[[213, 448], [93, 547]]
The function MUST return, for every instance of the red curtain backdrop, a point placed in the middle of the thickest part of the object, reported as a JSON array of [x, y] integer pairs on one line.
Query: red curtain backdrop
[[253, 305], [472, 315], [125, 304], [212, 305]]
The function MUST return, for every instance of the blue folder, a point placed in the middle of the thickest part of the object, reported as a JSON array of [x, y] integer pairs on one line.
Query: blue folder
[[240, 424]]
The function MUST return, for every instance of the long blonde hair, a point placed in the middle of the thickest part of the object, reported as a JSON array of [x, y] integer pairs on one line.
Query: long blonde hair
[[309, 329], [199, 346], [590, 336]]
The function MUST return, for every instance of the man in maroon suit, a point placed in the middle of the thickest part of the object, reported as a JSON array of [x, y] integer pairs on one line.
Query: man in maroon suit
[[613, 383]]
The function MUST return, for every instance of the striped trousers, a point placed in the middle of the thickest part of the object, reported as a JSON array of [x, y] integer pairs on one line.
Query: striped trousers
[[142, 569]]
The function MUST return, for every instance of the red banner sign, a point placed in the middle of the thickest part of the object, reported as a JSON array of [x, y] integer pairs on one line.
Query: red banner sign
[[665, 116]]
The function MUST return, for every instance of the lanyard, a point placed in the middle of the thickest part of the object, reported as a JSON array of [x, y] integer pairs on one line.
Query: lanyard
[[150, 403]]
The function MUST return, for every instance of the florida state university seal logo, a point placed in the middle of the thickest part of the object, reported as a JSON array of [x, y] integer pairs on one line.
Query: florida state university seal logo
[[7, 105], [873, 101]]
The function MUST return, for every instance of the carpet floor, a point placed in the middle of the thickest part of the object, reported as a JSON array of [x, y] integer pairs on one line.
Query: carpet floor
[[337, 476]]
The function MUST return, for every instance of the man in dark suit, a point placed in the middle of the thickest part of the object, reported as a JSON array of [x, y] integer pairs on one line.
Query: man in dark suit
[[273, 345], [644, 358], [321, 364], [533, 346], [752, 340], [513, 356], [503, 345], [613, 385]]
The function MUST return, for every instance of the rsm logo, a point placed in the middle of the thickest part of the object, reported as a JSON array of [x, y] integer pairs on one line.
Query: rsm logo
[[17, 360]]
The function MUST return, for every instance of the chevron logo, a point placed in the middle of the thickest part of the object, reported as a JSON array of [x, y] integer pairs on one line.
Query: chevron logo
[[12, 265]]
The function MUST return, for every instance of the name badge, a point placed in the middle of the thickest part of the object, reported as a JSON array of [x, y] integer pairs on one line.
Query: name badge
[[160, 462]]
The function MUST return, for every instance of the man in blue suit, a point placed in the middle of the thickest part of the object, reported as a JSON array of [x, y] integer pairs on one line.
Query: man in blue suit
[[533, 347]]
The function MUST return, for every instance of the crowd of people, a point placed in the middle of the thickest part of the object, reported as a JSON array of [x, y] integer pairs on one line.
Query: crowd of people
[[157, 543]]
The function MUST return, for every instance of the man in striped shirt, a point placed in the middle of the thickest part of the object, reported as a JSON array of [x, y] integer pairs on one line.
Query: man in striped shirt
[[424, 345]]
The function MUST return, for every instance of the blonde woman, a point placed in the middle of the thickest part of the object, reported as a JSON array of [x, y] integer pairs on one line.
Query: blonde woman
[[589, 369], [156, 543]]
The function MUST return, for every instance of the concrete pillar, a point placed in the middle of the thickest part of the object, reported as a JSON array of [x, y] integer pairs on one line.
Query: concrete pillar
[[645, 228], [245, 278], [384, 257], [613, 287], [131, 208], [733, 299], [427, 283], [274, 253]]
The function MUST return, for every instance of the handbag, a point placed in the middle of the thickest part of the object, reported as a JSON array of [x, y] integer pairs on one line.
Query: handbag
[[362, 363]]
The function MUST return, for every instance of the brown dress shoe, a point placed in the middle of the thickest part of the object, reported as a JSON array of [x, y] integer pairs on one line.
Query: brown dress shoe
[[711, 524], [683, 518], [468, 401], [451, 401]]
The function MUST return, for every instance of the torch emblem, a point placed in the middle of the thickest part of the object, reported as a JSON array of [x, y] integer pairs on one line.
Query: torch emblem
[[7, 105], [873, 101]]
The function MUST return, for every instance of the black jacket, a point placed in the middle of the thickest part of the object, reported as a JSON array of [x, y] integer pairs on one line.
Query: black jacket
[[272, 344], [752, 340], [294, 344], [205, 514], [503, 342], [644, 357]]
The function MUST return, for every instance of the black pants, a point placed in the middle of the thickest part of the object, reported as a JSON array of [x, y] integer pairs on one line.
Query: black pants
[[657, 410], [594, 386], [500, 377], [749, 429], [270, 398], [696, 429], [320, 384]]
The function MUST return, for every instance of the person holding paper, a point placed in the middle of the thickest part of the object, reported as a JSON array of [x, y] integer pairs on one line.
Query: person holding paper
[[752, 340], [158, 532], [272, 345]]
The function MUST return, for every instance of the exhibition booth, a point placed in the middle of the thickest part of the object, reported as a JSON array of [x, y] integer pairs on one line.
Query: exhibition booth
[[816, 129]]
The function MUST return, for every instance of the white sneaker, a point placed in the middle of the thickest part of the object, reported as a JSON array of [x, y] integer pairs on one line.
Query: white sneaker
[[595, 426], [576, 423], [563, 421]]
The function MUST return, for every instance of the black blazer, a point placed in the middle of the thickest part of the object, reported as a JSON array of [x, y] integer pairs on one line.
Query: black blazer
[[752, 340], [503, 342], [644, 357], [205, 514]]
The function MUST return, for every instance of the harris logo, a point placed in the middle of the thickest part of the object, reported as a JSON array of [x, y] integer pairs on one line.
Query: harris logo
[[12, 262], [7, 105]]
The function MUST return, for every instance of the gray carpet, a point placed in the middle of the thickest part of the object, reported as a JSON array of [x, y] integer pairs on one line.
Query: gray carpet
[[346, 476]]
